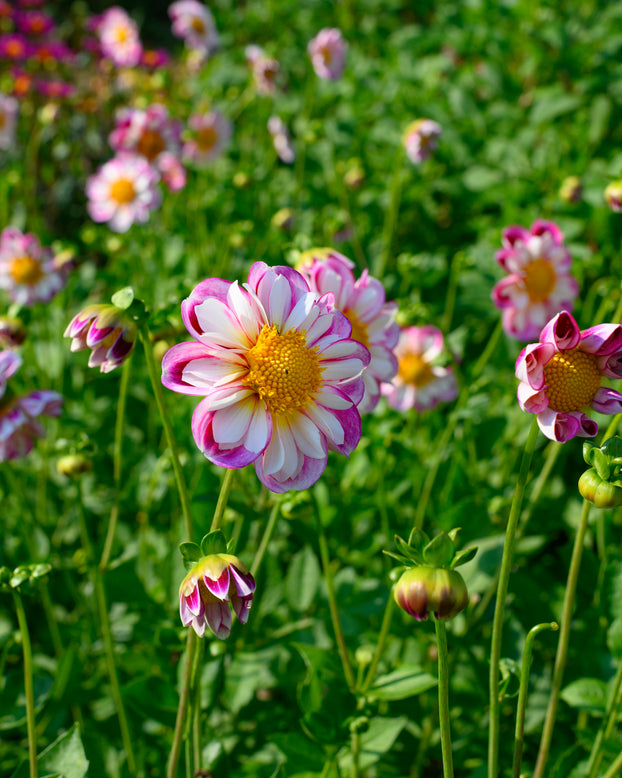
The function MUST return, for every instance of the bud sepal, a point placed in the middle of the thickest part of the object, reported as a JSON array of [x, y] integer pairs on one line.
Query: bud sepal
[[602, 483]]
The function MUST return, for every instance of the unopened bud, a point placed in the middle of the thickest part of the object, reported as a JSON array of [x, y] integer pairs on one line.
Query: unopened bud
[[423, 590]]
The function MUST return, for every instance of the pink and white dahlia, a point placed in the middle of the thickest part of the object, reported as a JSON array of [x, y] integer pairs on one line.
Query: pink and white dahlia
[[29, 273], [216, 584], [107, 330], [328, 53], [281, 140], [561, 375], [193, 22], [123, 191], [8, 121], [538, 284], [419, 383], [421, 139], [209, 135], [265, 69], [363, 302], [118, 37], [19, 415], [280, 375]]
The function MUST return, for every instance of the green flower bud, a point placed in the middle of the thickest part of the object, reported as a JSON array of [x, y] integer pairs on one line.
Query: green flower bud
[[73, 465], [602, 483], [603, 494], [424, 590]]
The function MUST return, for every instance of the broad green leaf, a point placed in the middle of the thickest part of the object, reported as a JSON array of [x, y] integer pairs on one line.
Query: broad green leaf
[[303, 579], [406, 681], [614, 637], [589, 694], [64, 758], [376, 741]]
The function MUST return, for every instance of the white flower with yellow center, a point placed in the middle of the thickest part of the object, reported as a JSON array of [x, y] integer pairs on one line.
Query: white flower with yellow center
[[28, 272], [194, 22], [119, 38]]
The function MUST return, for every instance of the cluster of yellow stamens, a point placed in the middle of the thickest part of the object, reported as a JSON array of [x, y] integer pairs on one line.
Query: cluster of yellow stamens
[[283, 371], [359, 329], [540, 279], [413, 369], [26, 270], [122, 191], [573, 379]]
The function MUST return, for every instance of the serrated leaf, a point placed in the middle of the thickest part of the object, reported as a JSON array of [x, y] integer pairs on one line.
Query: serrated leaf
[[407, 681]]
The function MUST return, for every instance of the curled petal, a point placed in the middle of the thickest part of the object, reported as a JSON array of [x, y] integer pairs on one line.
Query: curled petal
[[602, 340], [558, 426], [531, 363], [562, 331], [607, 401], [531, 400]]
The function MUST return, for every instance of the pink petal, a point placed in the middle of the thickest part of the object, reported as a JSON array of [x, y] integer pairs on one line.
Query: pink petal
[[558, 426], [607, 401], [531, 362], [562, 331]]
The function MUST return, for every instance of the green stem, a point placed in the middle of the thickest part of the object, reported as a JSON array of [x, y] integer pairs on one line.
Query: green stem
[[223, 498], [267, 535], [550, 459], [615, 769], [173, 759], [443, 697], [156, 385], [562, 645], [382, 639], [195, 708], [502, 590], [607, 725], [391, 215], [522, 695], [28, 684], [355, 748], [116, 464]]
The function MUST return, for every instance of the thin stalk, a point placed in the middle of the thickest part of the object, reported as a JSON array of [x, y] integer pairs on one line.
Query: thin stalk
[[443, 697], [223, 498], [382, 639], [28, 684], [607, 725], [267, 535], [540, 482], [390, 219], [355, 748], [195, 707], [522, 694], [116, 464], [502, 590], [173, 759], [562, 645], [156, 385], [615, 769]]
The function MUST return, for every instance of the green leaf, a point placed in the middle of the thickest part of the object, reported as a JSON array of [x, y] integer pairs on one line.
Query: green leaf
[[302, 580], [600, 113], [406, 681], [374, 743], [123, 298], [462, 557], [214, 543], [614, 637], [190, 553], [300, 753], [589, 694], [64, 758], [549, 107]]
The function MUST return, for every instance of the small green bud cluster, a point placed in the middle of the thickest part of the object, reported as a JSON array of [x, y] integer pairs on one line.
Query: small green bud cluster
[[602, 483]]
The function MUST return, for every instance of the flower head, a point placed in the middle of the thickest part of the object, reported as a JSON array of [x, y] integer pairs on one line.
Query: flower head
[[613, 196], [193, 22], [107, 330], [279, 372], [209, 135], [14, 46], [214, 585], [420, 139], [8, 121], [538, 284], [29, 272], [362, 301], [419, 383], [281, 139], [562, 374], [118, 37], [265, 69], [328, 53], [123, 191]]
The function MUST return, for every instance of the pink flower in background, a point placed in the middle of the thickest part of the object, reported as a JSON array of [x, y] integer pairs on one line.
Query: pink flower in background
[[119, 38], [193, 22], [19, 415], [29, 273], [362, 301], [34, 22], [562, 374], [419, 383], [538, 284], [123, 191], [209, 135], [421, 139], [279, 373], [8, 120], [108, 331], [265, 69], [328, 53], [172, 171], [282, 140], [54, 88], [14, 47]]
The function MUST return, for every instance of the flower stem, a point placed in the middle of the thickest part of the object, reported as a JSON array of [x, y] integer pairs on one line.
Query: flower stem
[[562, 645], [267, 535], [502, 590], [607, 725], [116, 464], [382, 639], [168, 431], [28, 684], [522, 695], [443, 697], [173, 759], [614, 770], [223, 498], [391, 215]]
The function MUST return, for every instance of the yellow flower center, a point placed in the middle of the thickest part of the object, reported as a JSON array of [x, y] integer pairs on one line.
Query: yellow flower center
[[327, 54], [282, 370], [206, 138], [413, 369], [150, 144], [197, 25], [359, 330], [122, 191], [26, 270], [573, 379], [121, 34], [539, 280]]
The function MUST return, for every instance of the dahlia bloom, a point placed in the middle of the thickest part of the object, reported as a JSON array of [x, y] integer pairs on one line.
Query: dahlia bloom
[[265, 69], [29, 273], [421, 139], [123, 191], [108, 331], [328, 53], [14, 46], [281, 140], [419, 383], [193, 22], [613, 196], [8, 120], [279, 373], [538, 284], [34, 22], [362, 301], [19, 424], [119, 38], [209, 135], [562, 374]]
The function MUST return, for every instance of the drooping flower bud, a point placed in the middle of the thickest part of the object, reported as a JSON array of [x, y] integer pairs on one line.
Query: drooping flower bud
[[602, 483], [613, 195], [571, 189]]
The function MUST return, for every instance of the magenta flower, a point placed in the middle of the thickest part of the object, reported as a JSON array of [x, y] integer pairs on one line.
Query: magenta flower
[[193, 22], [362, 301], [19, 415], [8, 121], [562, 374], [421, 139], [279, 373], [15, 47], [119, 38], [281, 140], [328, 53], [34, 22], [155, 58], [538, 284], [209, 135], [108, 331], [419, 383], [29, 273]]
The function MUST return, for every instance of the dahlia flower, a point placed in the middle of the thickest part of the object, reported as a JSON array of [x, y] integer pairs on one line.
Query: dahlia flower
[[19, 424], [118, 37], [562, 374], [105, 329], [29, 273], [8, 121], [15, 47], [419, 383], [265, 69], [362, 301], [281, 140], [34, 22], [539, 284], [328, 53], [123, 191], [279, 372], [421, 139], [209, 134], [613, 196], [193, 22], [213, 586]]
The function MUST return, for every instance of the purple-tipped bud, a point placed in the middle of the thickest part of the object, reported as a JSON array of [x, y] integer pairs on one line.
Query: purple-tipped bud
[[423, 590], [613, 195], [107, 330]]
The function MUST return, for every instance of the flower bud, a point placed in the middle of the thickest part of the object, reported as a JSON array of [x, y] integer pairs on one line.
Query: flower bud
[[603, 494], [423, 590], [602, 483], [571, 189], [613, 195], [12, 332], [73, 465], [107, 330]]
